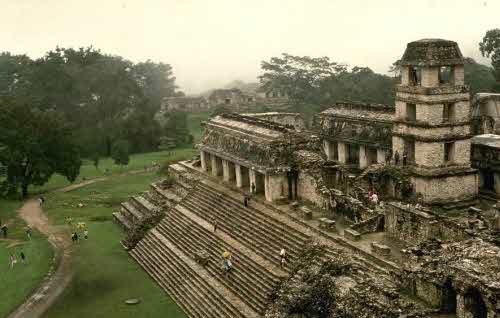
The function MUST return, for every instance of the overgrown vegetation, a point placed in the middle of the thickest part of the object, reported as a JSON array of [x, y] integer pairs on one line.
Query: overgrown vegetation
[[310, 290]]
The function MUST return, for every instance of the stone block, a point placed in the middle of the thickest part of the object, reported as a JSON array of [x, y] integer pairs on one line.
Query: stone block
[[327, 224], [305, 213], [352, 235], [201, 257], [381, 248]]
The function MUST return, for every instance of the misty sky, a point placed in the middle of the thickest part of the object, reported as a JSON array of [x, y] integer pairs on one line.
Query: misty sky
[[211, 42]]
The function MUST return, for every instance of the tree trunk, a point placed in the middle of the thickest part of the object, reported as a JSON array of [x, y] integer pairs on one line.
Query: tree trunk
[[24, 189]]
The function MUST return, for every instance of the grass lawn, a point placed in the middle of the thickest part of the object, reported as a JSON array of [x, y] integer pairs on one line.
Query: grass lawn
[[18, 283], [116, 270], [105, 275], [194, 124], [137, 162]]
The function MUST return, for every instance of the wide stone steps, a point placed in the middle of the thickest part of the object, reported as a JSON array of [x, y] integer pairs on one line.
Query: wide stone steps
[[130, 211], [267, 251], [254, 264], [191, 285], [250, 282], [267, 219], [121, 219], [264, 238]]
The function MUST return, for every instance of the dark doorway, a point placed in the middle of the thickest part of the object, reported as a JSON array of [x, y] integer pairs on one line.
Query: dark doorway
[[260, 183], [488, 179], [449, 298], [474, 304]]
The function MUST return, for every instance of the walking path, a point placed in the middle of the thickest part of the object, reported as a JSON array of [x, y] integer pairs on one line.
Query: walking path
[[58, 278]]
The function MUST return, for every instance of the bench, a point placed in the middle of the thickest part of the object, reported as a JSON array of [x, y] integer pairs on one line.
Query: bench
[[381, 248], [352, 235], [326, 224], [201, 257], [305, 213]]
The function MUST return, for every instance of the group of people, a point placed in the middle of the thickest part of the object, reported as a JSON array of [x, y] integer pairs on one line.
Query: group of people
[[75, 237], [373, 196], [396, 158], [13, 259]]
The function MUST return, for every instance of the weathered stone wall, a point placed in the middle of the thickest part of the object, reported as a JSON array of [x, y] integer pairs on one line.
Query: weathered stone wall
[[430, 113], [434, 133], [398, 144], [429, 154], [429, 292], [287, 119], [416, 226], [462, 151], [430, 76], [462, 111], [308, 189], [451, 188]]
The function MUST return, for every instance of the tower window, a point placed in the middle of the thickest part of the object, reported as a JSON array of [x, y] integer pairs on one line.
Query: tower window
[[411, 112], [446, 75], [449, 152], [227, 101], [448, 112], [415, 75]]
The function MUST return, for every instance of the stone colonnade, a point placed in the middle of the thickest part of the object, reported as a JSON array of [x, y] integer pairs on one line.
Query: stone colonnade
[[273, 186], [344, 152]]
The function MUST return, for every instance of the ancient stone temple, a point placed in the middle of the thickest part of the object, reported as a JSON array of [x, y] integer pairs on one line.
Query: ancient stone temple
[[432, 122], [387, 191]]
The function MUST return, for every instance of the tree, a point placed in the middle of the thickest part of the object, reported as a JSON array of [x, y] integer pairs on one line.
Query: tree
[[120, 152], [156, 81], [300, 77], [479, 77], [490, 47], [34, 145], [176, 127]]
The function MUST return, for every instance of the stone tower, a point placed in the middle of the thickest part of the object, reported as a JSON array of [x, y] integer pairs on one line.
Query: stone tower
[[433, 122]]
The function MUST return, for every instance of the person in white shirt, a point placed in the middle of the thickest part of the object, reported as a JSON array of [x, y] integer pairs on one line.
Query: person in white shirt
[[282, 257]]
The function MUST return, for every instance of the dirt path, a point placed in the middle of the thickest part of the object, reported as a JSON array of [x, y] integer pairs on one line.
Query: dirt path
[[59, 236]]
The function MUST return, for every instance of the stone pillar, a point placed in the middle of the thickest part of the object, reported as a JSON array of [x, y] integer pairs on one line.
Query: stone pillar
[[239, 181], [225, 170], [253, 180], [363, 161], [342, 148], [203, 158], [273, 186], [214, 165], [497, 182], [329, 149], [381, 155]]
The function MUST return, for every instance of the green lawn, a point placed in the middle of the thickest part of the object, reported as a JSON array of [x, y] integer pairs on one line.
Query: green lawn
[[194, 124], [105, 274], [118, 277], [19, 282], [137, 161]]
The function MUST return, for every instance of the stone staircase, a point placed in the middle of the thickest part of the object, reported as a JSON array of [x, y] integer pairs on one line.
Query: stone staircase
[[260, 232], [188, 283], [254, 235]]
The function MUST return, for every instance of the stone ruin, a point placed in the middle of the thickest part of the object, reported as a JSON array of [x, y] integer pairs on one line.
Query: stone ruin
[[427, 246]]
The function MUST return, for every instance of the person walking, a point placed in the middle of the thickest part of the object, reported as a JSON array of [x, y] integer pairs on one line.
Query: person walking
[[405, 158], [4, 230], [13, 260], [86, 234], [245, 200], [23, 257], [282, 258], [28, 232], [396, 158], [215, 224]]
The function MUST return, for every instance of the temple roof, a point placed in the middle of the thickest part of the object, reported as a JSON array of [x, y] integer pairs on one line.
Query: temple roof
[[361, 110], [432, 52], [257, 127], [489, 140]]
